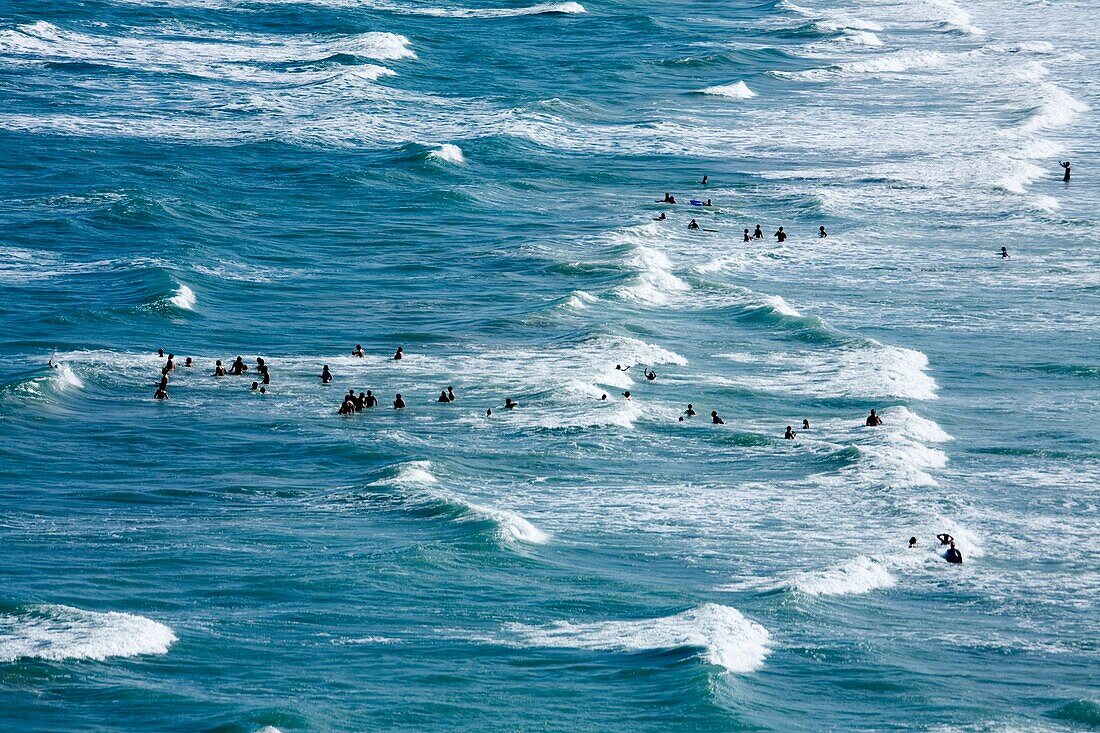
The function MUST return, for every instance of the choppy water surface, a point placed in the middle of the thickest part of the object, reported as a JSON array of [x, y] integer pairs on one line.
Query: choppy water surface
[[478, 183]]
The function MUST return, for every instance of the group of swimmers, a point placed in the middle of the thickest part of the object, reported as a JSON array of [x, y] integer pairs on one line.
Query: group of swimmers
[[952, 554]]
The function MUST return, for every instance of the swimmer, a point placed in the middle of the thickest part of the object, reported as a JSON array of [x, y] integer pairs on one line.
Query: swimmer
[[358, 351], [238, 368], [261, 367], [681, 418], [372, 401], [1066, 166], [626, 394], [693, 225], [188, 363], [715, 420], [160, 353], [758, 234], [350, 395], [780, 235], [604, 397], [161, 393], [263, 390], [704, 181], [708, 203], [690, 411], [255, 386], [650, 375], [668, 199], [219, 370], [360, 402], [443, 396], [399, 354], [621, 368], [489, 412], [912, 542], [789, 435], [945, 539], [347, 407], [953, 556], [325, 375], [662, 217], [747, 237], [805, 424], [509, 404], [171, 364], [398, 403], [821, 233], [164, 381], [1004, 253], [873, 419], [450, 394]]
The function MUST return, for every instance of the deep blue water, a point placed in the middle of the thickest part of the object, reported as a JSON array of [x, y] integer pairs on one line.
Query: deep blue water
[[478, 184]]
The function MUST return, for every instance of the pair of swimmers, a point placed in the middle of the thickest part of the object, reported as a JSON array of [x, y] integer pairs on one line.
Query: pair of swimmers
[[952, 555], [447, 395]]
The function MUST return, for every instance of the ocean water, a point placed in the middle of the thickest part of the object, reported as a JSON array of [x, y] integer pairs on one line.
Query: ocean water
[[476, 181]]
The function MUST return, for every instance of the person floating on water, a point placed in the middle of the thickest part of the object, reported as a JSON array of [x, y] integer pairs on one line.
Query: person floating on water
[[715, 420], [805, 424], [780, 235], [704, 181], [443, 397], [358, 351], [255, 387], [509, 404], [626, 394], [219, 370], [790, 434], [821, 233], [668, 199], [747, 237], [650, 375], [944, 538], [758, 234], [873, 419], [1066, 166], [953, 556], [662, 217], [1004, 253], [912, 542], [621, 368], [693, 225], [263, 390], [489, 412], [690, 411], [326, 375], [398, 403], [399, 354]]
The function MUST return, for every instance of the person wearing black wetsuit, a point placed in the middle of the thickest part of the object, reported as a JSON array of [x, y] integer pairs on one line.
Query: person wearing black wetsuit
[[953, 556], [693, 225], [789, 435], [715, 419], [372, 401], [398, 403], [1066, 166], [873, 419], [758, 234], [690, 411], [780, 235]]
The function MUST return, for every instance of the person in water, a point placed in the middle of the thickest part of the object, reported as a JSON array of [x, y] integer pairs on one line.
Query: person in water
[[805, 424], [1004, 253], [238, 368], [780, 235], [621, 368], [450, 394], [747, 237], [326, 375], [398, 403], [912, 542], [399, 354], [758, 234], [1066, 166], [160, 353], [347, 407], [261, 367], [704, 181], [873, 419], [360, 401], [188, 363], [509, 404], [52, 364], [358, 351], [693, 225], [953, 556], [708, 203], [650, 375], [626, 394], [443, 396], [219, 370], [603, 398], [372, 401], [255, 386], [662, 217], [789, 435], [489, 412], [945, 539], [668, 199], [715, 420], [821, 233], [263, 390], [690, 411], [161, 393], [171, 364]]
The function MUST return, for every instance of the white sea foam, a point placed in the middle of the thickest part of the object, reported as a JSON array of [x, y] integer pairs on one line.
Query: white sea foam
[[859, 575], [448, 153], [580, 300], [737, 90], [55, 633], [65, 378], [565, 8], [727, 638], [654, 283], [183, 298], [955, 17], [860, 38], [781, 306], [1058, 109]]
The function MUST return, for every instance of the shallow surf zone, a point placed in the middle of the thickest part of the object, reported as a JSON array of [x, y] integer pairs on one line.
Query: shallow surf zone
[[56, 633], [721, 636], [422, 492]]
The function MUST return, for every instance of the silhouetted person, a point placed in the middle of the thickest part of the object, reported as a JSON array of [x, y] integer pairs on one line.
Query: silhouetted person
[[873, 419], [398, 403], [953, 556], [1066, 166], [758, 234], [715, 419], [780, 235], [326, 375], [789, 435]]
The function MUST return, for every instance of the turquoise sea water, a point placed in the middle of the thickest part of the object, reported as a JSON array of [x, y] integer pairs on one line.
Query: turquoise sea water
[[477, 183]]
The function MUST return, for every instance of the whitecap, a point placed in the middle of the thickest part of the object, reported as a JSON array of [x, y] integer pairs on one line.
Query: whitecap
[[184, 298], [55, 632], [859, 575], [737, 90], [448, 153]]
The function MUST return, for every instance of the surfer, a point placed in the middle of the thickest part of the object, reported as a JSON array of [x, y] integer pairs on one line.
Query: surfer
[[690, 411], [693, 225], [668, 199], [489, 412], [945, 539], [821, 233], [219, 370], [715, 420], [708, 203], [758, 234], [509, 404], [443, 396], [398, 403], [1066, 166], [399, 354], [873, 419], [662, 217], [358, 351], [1004, 253], [953, 556], [780, 235], [603, 398], [805, 424], [747, 237], [326, 375], [912, 542], [789, 435], [650, 375], [704, 181], [626, 394]]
